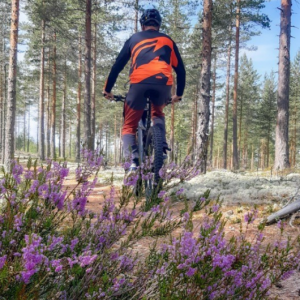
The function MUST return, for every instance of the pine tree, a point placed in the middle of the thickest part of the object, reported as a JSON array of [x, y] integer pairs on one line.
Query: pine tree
[[267, 115]]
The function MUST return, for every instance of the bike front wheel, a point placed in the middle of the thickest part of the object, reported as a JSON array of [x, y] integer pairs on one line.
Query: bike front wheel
[[154, 151]]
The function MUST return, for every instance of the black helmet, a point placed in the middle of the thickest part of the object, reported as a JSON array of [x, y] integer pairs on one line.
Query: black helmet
[[150, 15]]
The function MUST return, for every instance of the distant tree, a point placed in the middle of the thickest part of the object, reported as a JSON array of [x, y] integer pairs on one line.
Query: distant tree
[[267, 114], [248, 100], [282, 126], [247, 11]]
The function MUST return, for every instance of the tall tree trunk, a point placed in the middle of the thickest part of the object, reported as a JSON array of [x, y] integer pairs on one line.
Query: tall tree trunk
[[93, 121], [53, 114], [136, 18], [235, 89], [204, 91], [87, 91], [63, 115], [48, 108], [12, 78], [227, 104], [213, 100], [282, 125], [78, 104], [41, 100]]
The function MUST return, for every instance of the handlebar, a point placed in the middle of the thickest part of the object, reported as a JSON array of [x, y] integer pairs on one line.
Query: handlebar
[[120, 98]]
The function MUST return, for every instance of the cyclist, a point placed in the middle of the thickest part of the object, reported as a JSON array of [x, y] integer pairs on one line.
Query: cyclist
[[153, 55]]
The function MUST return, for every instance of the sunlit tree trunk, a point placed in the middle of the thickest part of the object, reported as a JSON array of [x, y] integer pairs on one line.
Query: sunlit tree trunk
[[78, 103], [48, 132], [12, 78], [93, 108], [235, 89], [87, 91], [41, 131], [213, 100], [204, 86], [282, 125], [53, 114]]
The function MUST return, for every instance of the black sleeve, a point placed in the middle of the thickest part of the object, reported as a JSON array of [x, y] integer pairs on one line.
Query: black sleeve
[[118, 66], [180, 72]]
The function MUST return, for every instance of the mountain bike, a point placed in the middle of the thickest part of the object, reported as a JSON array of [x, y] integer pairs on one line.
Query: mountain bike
[[150, 147]]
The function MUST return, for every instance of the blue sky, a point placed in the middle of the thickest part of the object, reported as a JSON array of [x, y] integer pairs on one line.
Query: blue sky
[[265, 58]]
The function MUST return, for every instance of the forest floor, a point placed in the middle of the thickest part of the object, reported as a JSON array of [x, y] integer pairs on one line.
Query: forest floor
[[240, 193]]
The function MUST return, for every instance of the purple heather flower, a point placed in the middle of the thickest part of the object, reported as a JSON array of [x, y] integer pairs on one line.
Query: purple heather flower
[[191, 272], [2, 261], [155, 209], [179, 192], [161, 194]]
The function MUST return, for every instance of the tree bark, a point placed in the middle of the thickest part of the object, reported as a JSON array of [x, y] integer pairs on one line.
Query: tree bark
[[282, 125], [204, 91], [93, 121], [12, 78], [136, 19], [48, 132], [235, 89], [78, 104], [227, 104], [63, 115], [87, 92], [41, 99], [213, 100], [53, 114]]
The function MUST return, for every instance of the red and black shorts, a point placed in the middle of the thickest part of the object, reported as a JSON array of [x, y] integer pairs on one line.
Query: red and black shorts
[[136, 101]]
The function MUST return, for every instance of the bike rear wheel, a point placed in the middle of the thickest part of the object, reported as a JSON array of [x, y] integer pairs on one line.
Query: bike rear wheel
[[154, 151]]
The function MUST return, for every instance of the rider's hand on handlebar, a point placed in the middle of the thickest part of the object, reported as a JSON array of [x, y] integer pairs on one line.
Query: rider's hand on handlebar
[[175, 99], [108, 96]]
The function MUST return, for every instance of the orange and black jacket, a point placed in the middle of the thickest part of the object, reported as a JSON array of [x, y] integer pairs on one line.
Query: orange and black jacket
[[153, 55]]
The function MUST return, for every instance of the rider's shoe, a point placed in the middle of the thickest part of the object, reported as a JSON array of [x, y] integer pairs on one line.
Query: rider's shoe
[[131, 170], [165, 149]]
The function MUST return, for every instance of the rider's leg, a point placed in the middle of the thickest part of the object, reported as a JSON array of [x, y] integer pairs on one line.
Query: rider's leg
[[159, 101], [133, 111]]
